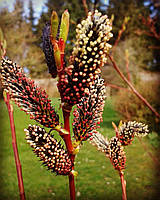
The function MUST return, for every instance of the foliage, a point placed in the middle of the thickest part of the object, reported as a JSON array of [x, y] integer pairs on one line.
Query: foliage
[[135, 9], [21, 41], [130, 107]]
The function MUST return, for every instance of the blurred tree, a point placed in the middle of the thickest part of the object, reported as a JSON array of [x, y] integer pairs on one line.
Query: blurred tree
[[31, 17], [20, 39], [135, 10]]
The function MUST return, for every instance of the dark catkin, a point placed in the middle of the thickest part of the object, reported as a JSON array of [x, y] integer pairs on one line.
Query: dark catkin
[[128, 130], [89, 54], [27, 95], [48, 50], [88, 114], [49, 150], [117, 154]]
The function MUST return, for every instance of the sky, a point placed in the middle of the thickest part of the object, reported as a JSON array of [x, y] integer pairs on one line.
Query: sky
[[38, 6]]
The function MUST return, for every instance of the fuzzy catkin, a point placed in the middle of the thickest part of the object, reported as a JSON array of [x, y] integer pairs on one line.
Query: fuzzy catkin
[[27, 95], [49, 150], [89, 54]]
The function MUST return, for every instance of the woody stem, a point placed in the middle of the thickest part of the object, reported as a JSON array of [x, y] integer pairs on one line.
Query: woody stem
[[15, 148], [68, 142], [132, 88], [123, 183]]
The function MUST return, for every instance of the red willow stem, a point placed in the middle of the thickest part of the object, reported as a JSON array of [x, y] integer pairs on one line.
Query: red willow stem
[[127, 66], [123, 183], [132, 88], [15, 148], [68, 142], [85, 6], [116, 86]]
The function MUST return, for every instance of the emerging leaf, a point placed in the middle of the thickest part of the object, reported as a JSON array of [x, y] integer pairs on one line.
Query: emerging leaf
[[64, 26], [54, 26]]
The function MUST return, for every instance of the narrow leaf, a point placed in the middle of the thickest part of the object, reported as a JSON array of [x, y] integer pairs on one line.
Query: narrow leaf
[[54, 25], [64, 27]]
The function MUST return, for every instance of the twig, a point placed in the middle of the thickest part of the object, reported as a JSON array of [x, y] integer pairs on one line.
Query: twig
[[116, 129], [15, 148], [123, 183], [117, 87], [68, 142], [125, 21], [85, 6], [127, 65], [132, 88]]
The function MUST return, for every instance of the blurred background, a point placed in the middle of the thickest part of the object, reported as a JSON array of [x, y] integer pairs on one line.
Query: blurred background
[[136, 50]]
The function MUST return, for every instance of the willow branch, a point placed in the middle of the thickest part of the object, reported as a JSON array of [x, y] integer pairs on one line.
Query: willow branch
[[68, 142], [15, 148], [117, 87], [123, 183], [132, 88], [85, 6]]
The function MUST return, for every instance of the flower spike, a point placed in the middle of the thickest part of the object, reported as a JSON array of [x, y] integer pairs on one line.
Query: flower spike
[[88, 113], [98, 140], [50, 152], [48, 50], [27, 95], [88, 55], [117, 155], [128, 130]]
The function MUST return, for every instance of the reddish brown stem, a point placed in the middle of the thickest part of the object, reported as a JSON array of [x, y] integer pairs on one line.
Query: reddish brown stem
[[68, 142], [117, 87], [119, 34], [85, 6], [116, 129], [127, 66], [123, 183], [15, 148], [132, 88]]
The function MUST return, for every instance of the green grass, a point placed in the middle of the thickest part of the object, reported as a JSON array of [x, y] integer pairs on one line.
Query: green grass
[[96, 177]]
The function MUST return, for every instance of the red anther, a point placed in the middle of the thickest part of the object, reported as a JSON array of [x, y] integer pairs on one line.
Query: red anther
[[68, 89], [74, 86]]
